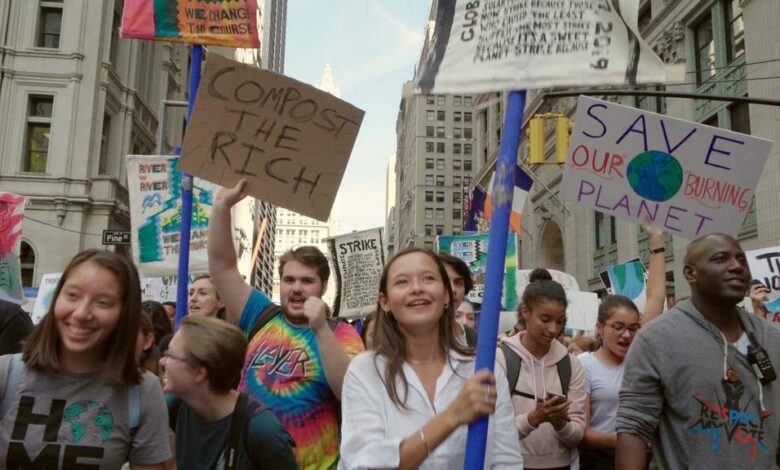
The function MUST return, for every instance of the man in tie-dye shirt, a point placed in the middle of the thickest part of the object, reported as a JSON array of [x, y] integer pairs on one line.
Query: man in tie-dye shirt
[[295, 363]]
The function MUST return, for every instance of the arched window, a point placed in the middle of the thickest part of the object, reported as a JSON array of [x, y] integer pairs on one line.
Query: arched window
[[27, 263]]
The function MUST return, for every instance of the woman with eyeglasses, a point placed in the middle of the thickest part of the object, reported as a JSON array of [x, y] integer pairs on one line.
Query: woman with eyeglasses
[[216, 426], [618, 322]]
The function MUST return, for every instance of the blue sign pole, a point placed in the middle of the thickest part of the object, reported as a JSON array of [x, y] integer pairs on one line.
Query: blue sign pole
[[503, 190], [186, 197]]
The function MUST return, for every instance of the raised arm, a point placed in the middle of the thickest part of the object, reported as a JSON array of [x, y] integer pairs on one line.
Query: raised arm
[[656, 275], [223, 264]]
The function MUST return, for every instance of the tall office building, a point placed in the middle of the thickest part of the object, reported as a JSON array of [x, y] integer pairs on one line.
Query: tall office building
[[434, 166], [294, 230], [75, 100]]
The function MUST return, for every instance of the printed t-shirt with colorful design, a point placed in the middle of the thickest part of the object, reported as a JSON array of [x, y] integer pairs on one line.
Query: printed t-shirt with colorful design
[[283, 370]]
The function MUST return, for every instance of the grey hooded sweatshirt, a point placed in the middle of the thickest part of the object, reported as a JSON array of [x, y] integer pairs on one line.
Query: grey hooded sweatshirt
[[676, 398]]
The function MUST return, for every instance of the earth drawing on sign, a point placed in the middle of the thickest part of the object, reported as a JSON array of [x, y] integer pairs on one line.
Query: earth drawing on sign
[[655, 175], [627, 279]]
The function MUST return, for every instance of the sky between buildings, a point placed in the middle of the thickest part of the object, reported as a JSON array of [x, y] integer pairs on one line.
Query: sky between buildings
[[372, 46]]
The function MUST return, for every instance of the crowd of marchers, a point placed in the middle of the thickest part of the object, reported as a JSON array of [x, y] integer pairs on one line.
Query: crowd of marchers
[[103, 381]]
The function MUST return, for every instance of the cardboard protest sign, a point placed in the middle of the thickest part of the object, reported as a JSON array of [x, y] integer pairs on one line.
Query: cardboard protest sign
[[765, 267], [222, 23], [566, 280], [627, 279], [358, 260], [686, 177], [11, 218], [473, 249], [493, 45], [290, 140], [45, 296], [161, 289], [155, 216], [583, 310]]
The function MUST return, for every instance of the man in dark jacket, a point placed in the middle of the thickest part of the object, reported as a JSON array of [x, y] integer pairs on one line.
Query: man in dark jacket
[[15, 325]]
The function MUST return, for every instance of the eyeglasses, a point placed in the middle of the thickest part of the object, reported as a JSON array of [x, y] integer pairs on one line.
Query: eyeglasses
[[620, 327], [169, 355]]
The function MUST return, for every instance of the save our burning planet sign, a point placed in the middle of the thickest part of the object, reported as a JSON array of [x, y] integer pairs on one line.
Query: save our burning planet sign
[[687, 178]]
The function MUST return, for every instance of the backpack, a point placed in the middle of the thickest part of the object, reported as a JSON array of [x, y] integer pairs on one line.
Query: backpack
[[16, 367], [271, 311], [514, 362]]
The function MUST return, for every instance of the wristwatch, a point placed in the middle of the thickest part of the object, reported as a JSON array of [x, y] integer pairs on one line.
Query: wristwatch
[[658, 250]]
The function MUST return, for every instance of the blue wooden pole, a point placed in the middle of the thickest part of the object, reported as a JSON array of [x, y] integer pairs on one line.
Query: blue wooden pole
[[503, 190], [186, 197]]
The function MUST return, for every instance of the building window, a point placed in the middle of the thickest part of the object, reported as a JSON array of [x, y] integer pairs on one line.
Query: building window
[[38, 133], [429, 230], [457, 132], [27, 263], [441, 115], [428, 196], [429, 147], [441, 100], [456, 164], [429, 163], [429, 246], [440, 132], [428, 131], [430, 115], [456, 181], [735, 30], [467, 165], [467, 117], [740, 117], [457, 100], [429, 180], [428, 212], [456, 214], [456, 148], [467, 133], [605, 230], [440, 147], [440, 214], [456, 230], [467, 100], [704, 41], [116, 25], [104, 141], [467, 149], [440, 164], [456, 197], [430, 99], [440, 230], [645, 16], [439, 180], [50, 24], [439, 196], [457, 116], [656, 104]]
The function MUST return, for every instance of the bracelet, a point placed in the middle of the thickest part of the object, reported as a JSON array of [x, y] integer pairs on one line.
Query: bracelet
[[658, 250], [427, 449]]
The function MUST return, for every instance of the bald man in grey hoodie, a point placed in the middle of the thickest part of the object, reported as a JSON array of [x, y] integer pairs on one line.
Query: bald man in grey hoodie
[[690, 389]]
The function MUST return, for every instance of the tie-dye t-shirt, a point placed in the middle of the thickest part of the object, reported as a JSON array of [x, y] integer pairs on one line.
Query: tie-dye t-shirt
[[283, 369]]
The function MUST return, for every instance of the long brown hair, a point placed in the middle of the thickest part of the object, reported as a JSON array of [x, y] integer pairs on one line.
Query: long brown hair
[[390, 342], [41, 351]]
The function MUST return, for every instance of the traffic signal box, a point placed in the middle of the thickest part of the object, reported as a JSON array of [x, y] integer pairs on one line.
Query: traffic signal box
[[536, 138]]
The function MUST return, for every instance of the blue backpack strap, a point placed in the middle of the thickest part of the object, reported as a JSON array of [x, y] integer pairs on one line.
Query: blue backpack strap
[[15, 369], [134, 406]]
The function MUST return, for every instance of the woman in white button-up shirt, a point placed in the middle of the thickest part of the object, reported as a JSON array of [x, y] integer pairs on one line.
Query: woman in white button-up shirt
[[408, 403]]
